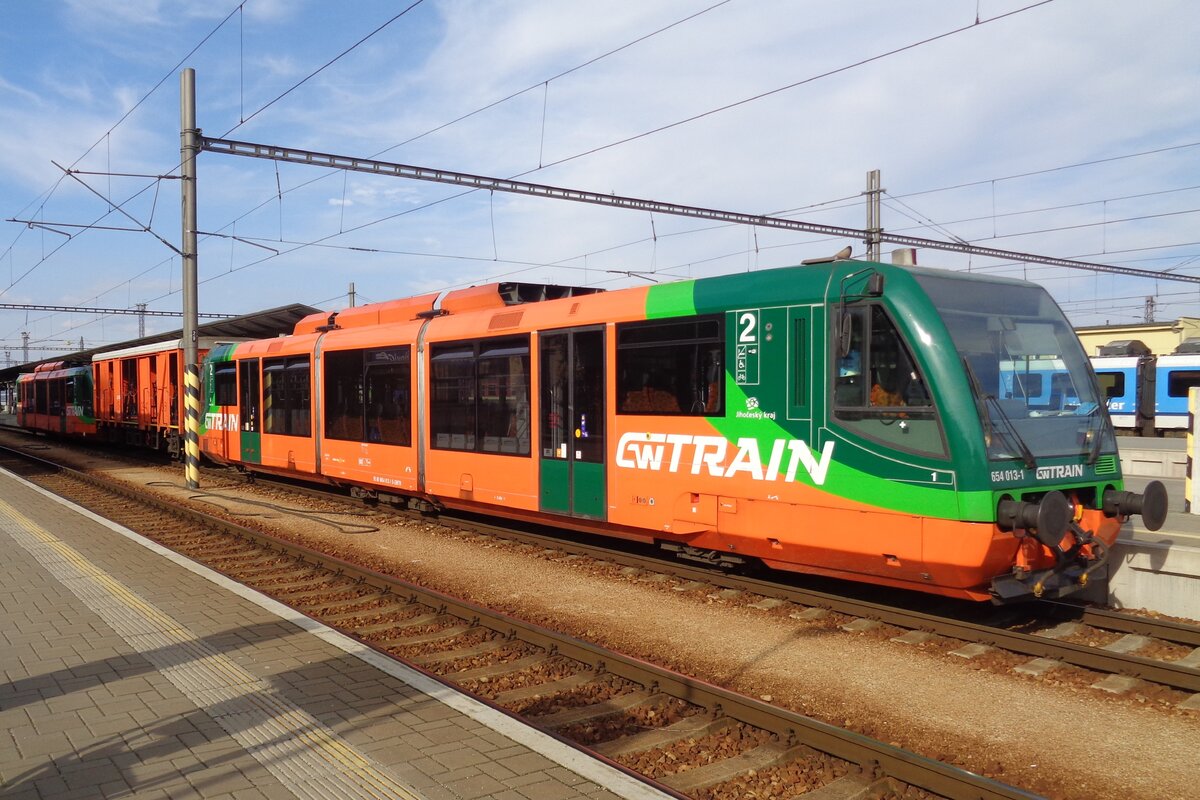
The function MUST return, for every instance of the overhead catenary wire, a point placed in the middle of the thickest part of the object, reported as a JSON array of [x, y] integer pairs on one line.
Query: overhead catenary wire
[[494, 103], [759, 96], [70, 309], [827, 74], [324, 66], [170, 73], [295, 155]]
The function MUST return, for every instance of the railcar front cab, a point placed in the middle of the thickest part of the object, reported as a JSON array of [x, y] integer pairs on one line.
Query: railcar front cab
[[1048, 442]]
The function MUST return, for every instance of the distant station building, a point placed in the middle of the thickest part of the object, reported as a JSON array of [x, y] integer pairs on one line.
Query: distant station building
[[1160, 337]]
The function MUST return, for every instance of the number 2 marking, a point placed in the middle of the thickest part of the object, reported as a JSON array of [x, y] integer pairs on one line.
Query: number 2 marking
[[749, 321]]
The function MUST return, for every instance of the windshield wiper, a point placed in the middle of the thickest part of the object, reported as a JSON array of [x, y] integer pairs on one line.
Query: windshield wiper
[[1098, 440], [1026, 455]]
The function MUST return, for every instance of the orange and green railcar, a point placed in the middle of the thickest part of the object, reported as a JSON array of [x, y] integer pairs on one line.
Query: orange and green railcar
[[56, 398], [850, 419]]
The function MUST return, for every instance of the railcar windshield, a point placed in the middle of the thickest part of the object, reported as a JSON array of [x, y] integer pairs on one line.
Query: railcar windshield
[[1033, 384]]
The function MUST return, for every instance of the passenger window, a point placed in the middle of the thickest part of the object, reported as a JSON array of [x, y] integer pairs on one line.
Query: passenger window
[[1179, 381], [480, 396], [452, 386], [344, 395], [387, 383], [286, 395], [1112, 384], [503, 392], [368, 396], [56, 392], [878, 389], [671, 368]]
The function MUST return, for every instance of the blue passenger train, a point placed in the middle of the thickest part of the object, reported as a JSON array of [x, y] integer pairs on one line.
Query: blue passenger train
[[1147, 394]]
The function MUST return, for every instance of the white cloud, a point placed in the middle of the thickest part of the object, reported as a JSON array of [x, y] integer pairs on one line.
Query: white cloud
[[24, 94], [90, 14]]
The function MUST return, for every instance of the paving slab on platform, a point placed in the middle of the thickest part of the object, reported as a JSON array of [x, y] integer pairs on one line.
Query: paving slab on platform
[[129, 671]]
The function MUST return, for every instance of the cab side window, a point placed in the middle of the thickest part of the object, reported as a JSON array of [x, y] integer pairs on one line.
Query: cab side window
[[224, 384], [878, 389]]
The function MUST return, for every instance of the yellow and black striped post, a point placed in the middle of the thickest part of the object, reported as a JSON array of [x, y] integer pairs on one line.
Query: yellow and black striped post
[[191, 425], [189, 148]]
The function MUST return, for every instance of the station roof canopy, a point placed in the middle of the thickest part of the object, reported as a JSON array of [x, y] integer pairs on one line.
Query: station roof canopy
[[259, 325]]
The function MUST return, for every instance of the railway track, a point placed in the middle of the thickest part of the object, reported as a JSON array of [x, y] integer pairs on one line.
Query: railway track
[[688, 737], [1101, 640], [1052, 633]]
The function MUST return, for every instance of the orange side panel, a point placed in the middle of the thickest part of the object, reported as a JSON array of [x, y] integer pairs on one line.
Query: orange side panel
[[145, 391], [964, 554], [161, 390], [483, 478], [290, 453], [388, 313], [372, 464], [845, 539]]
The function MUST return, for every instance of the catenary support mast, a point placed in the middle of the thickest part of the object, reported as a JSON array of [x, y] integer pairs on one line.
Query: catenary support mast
[[189, 148], [874, 218]]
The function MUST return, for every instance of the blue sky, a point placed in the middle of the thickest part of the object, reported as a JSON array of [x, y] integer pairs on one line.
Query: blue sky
[[1069, 82]]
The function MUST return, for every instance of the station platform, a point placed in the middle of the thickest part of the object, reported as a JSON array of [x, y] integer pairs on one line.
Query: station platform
[[1153, 457], [1158, 570], [130, 671]]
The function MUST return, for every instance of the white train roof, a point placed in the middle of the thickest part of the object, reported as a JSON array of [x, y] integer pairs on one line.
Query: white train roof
[[203, 343]]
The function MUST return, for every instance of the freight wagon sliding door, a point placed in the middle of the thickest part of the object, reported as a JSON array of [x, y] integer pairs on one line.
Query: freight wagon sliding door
[[248, 411], [572, 422]]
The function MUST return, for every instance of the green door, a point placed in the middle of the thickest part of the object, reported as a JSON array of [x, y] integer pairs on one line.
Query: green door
[[249, 416], [572, 422]]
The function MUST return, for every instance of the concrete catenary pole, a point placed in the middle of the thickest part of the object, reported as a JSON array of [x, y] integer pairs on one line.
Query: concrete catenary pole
[[874, 228], [189, 148]]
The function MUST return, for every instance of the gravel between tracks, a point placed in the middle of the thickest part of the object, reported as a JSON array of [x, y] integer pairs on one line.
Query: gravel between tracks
[[1058, 740]]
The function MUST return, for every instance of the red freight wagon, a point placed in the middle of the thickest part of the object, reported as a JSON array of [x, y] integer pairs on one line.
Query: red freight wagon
[[139, 393]]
